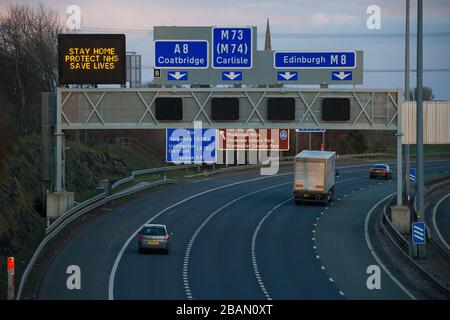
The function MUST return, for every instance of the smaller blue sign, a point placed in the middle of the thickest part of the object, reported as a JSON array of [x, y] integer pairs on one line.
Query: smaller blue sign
[[177, 75], [341, 76], [418, 233], [283, 135], [232, 76], [314, 60], [311, 130], [191, 145], [188, 54], [412, 175], [287, 76]]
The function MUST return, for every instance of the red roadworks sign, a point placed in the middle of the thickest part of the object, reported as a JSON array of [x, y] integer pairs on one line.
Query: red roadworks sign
[[10, 284], [253, 139], [10, 263]]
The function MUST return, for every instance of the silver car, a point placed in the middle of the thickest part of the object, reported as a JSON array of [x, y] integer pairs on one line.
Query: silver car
[[154, 237]]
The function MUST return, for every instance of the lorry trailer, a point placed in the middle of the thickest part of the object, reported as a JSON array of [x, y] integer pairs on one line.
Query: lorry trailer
[[314, 176]]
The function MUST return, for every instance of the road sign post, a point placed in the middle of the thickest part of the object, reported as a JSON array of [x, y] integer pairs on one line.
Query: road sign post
[[419, 137], [407, 148], [10, 270]]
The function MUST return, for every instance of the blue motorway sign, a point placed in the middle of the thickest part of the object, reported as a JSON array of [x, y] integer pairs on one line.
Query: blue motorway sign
[[191, 146], [232, 48], [412, 175], [418, 233], [188, 54], [232, 76], [314, 60], [287, 76]]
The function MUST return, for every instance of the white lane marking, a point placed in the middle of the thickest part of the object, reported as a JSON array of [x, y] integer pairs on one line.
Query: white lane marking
[[434, 221], [194, 236], [255, 234], [322, 267], [112, 275], [331, 279], [341, 293], [369, 244]]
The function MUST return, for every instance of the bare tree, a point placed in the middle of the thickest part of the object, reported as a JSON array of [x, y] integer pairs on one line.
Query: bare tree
[[28, 52]]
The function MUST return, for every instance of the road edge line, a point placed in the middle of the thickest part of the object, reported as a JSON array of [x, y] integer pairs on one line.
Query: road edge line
[[372, 251], [436, 229]]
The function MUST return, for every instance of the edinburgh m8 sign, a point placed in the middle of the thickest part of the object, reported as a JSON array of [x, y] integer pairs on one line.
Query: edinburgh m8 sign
[[91, 59]]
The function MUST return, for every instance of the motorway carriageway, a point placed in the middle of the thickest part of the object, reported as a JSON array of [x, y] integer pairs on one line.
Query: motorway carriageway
[[235, 237]]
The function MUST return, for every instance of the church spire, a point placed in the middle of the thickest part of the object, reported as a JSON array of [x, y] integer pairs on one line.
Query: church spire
[[268, 45]]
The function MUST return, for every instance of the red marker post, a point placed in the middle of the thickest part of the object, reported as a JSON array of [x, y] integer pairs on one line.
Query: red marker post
[[10, 267]]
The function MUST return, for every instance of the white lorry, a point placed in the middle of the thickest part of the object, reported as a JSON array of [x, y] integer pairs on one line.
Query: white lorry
[[314, 176]]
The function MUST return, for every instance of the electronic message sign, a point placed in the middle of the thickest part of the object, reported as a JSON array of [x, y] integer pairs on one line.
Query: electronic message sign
[[91, 59]]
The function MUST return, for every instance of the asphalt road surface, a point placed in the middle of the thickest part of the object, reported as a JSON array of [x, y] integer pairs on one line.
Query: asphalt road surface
[[235, 237]]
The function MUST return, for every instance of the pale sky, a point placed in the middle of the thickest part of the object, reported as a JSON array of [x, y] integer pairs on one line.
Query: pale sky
[[136, 19]]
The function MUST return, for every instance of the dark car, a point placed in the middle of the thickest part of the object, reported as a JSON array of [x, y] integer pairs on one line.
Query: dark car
[[380, 170]]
